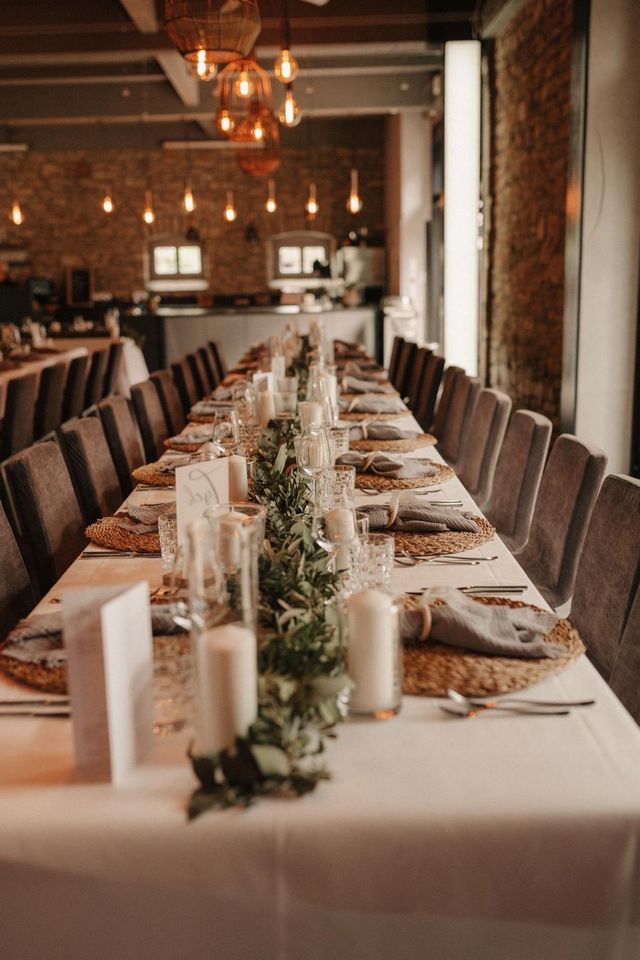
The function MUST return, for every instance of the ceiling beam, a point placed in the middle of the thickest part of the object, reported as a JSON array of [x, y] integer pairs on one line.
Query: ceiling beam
[[143, 14]]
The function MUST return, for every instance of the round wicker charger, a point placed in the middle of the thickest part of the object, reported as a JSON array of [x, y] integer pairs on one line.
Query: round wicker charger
[[149, 475], [352, 415], [452, 541], [430, 669], [107, 533], [397, 446], [182, 447], [371, 481]]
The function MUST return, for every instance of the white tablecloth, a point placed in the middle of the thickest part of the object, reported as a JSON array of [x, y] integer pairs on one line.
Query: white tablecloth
[[513, 838]]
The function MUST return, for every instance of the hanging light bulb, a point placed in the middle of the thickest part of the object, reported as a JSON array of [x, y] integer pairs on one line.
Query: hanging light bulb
[[200, 68], [225, 121], [244, 85], [257, 131], [286, 67], [271, 206], [107, 202], [16, 213], [148, 216], [289, 114], [354, 203], [229, 213], [189, 199], [312, 206]]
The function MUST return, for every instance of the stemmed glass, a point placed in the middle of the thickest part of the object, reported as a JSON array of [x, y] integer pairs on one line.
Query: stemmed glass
[[226, 427], [313, 455]]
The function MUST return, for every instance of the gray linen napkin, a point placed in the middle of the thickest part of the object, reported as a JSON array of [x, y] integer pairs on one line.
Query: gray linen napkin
[[368, 371], [149, 512], [415, 518], [192, 436], [382, 466], [206, 408], [355, 385], [125, 522], [496, 630], [380, 431], [373, 405]]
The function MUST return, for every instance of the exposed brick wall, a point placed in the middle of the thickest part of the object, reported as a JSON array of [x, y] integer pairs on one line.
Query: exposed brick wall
[[61, 194], [530, 133]]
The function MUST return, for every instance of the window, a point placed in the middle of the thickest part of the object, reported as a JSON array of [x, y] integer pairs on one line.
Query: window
[[293, 257], [172, 264]]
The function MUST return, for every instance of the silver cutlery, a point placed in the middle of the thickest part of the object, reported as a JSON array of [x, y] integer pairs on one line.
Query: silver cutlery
[[458, 710], [92, 554], [36, 712], [407, 561], [495, 703], [477, 590], [42, 702]]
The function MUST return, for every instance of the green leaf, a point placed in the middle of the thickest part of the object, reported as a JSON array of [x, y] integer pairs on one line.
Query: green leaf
[[271, 760]]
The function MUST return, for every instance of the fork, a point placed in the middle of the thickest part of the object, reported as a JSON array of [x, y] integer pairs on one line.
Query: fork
[[458, 710], [484, 703]]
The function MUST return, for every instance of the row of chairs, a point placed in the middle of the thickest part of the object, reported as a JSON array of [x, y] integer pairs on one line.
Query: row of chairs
[[37, 404], [575, 535], [53, 489]]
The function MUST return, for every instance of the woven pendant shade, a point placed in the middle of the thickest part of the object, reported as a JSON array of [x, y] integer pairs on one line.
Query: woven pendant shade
[[224, 29], [258, 162], [236, 107]]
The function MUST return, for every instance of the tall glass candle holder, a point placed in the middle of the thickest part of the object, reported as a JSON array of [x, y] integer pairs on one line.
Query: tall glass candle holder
[[374, 655], [238, 532]]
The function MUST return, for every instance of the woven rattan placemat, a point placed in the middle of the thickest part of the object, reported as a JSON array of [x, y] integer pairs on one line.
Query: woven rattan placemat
[[182, 447], [393, 446], [107, 533], [353, 415], [370, 481], [429, 669], [150, 475], [452, 541]]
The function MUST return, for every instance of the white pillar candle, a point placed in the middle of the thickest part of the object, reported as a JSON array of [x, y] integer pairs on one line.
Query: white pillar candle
[[265, 407], [340, 525], [372, 652], [278, 366], [310, 414], [238, 488], [230, 527], [227, 685]]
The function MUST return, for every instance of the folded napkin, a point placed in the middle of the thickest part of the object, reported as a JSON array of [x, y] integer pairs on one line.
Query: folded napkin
[[373, 405], [355, 385], [191, 437], [206, 408], [168, 465], [149, 512], [495, 630], [383, 466], [410, 517], [125, 522], [368, 370], [379, 431]]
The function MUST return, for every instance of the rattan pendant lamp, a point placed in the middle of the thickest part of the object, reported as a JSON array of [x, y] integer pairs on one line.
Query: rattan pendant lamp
[[212, 31]]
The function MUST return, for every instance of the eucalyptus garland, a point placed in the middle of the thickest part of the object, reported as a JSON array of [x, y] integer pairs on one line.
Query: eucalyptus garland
[[300, 654]]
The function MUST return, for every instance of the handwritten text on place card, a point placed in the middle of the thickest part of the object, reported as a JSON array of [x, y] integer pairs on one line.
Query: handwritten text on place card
[[199, 486]]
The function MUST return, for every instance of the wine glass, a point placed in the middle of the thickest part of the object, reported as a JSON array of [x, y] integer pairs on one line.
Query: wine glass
[[313, 456], [226, 427]]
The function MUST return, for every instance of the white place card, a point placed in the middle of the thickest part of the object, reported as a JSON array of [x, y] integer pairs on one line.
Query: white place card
[[199, 486], [107, 635]]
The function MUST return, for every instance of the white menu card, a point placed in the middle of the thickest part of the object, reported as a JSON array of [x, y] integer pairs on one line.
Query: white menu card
[[199, 486], [107, 635]]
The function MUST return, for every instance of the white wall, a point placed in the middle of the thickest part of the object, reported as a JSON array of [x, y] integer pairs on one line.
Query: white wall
[[611, 232]]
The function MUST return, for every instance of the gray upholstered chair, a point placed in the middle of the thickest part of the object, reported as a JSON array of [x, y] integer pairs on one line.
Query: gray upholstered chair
[[439, 425], [408, 351], [17, 423], [91, 468], [48, 413], [219, 357], [517, 477], [16, 593], [170, 400], [123, 439], [429, 391], [463, 401], [606, 601], [210, 366], [199, 374], [416, 376], [394, 357], [486, 429], [150, 417], [95, 377], [46, 510], [73, 400], [112, 372], [184, 381], [568, 491]]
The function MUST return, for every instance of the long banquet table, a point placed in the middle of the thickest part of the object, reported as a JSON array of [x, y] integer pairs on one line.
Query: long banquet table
[[505, 836], [31, 365]]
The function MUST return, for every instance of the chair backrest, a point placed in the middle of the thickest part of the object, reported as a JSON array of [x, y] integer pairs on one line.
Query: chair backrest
[[439, 424], [408, 351], [150, 417], [123, 439], [220, 361], [465, 391], [170, 400], [395, 356], [16, 592], [17, 424], [95, 377], [199, 374], [209, 366], [517, 477], [73, 400], [479, 456], [568, 491], [46, 509], [626, 667], [91, 467], [608, 577], [415, 377], [48, 412], [184, 381], [112, 372], [429, 390]]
